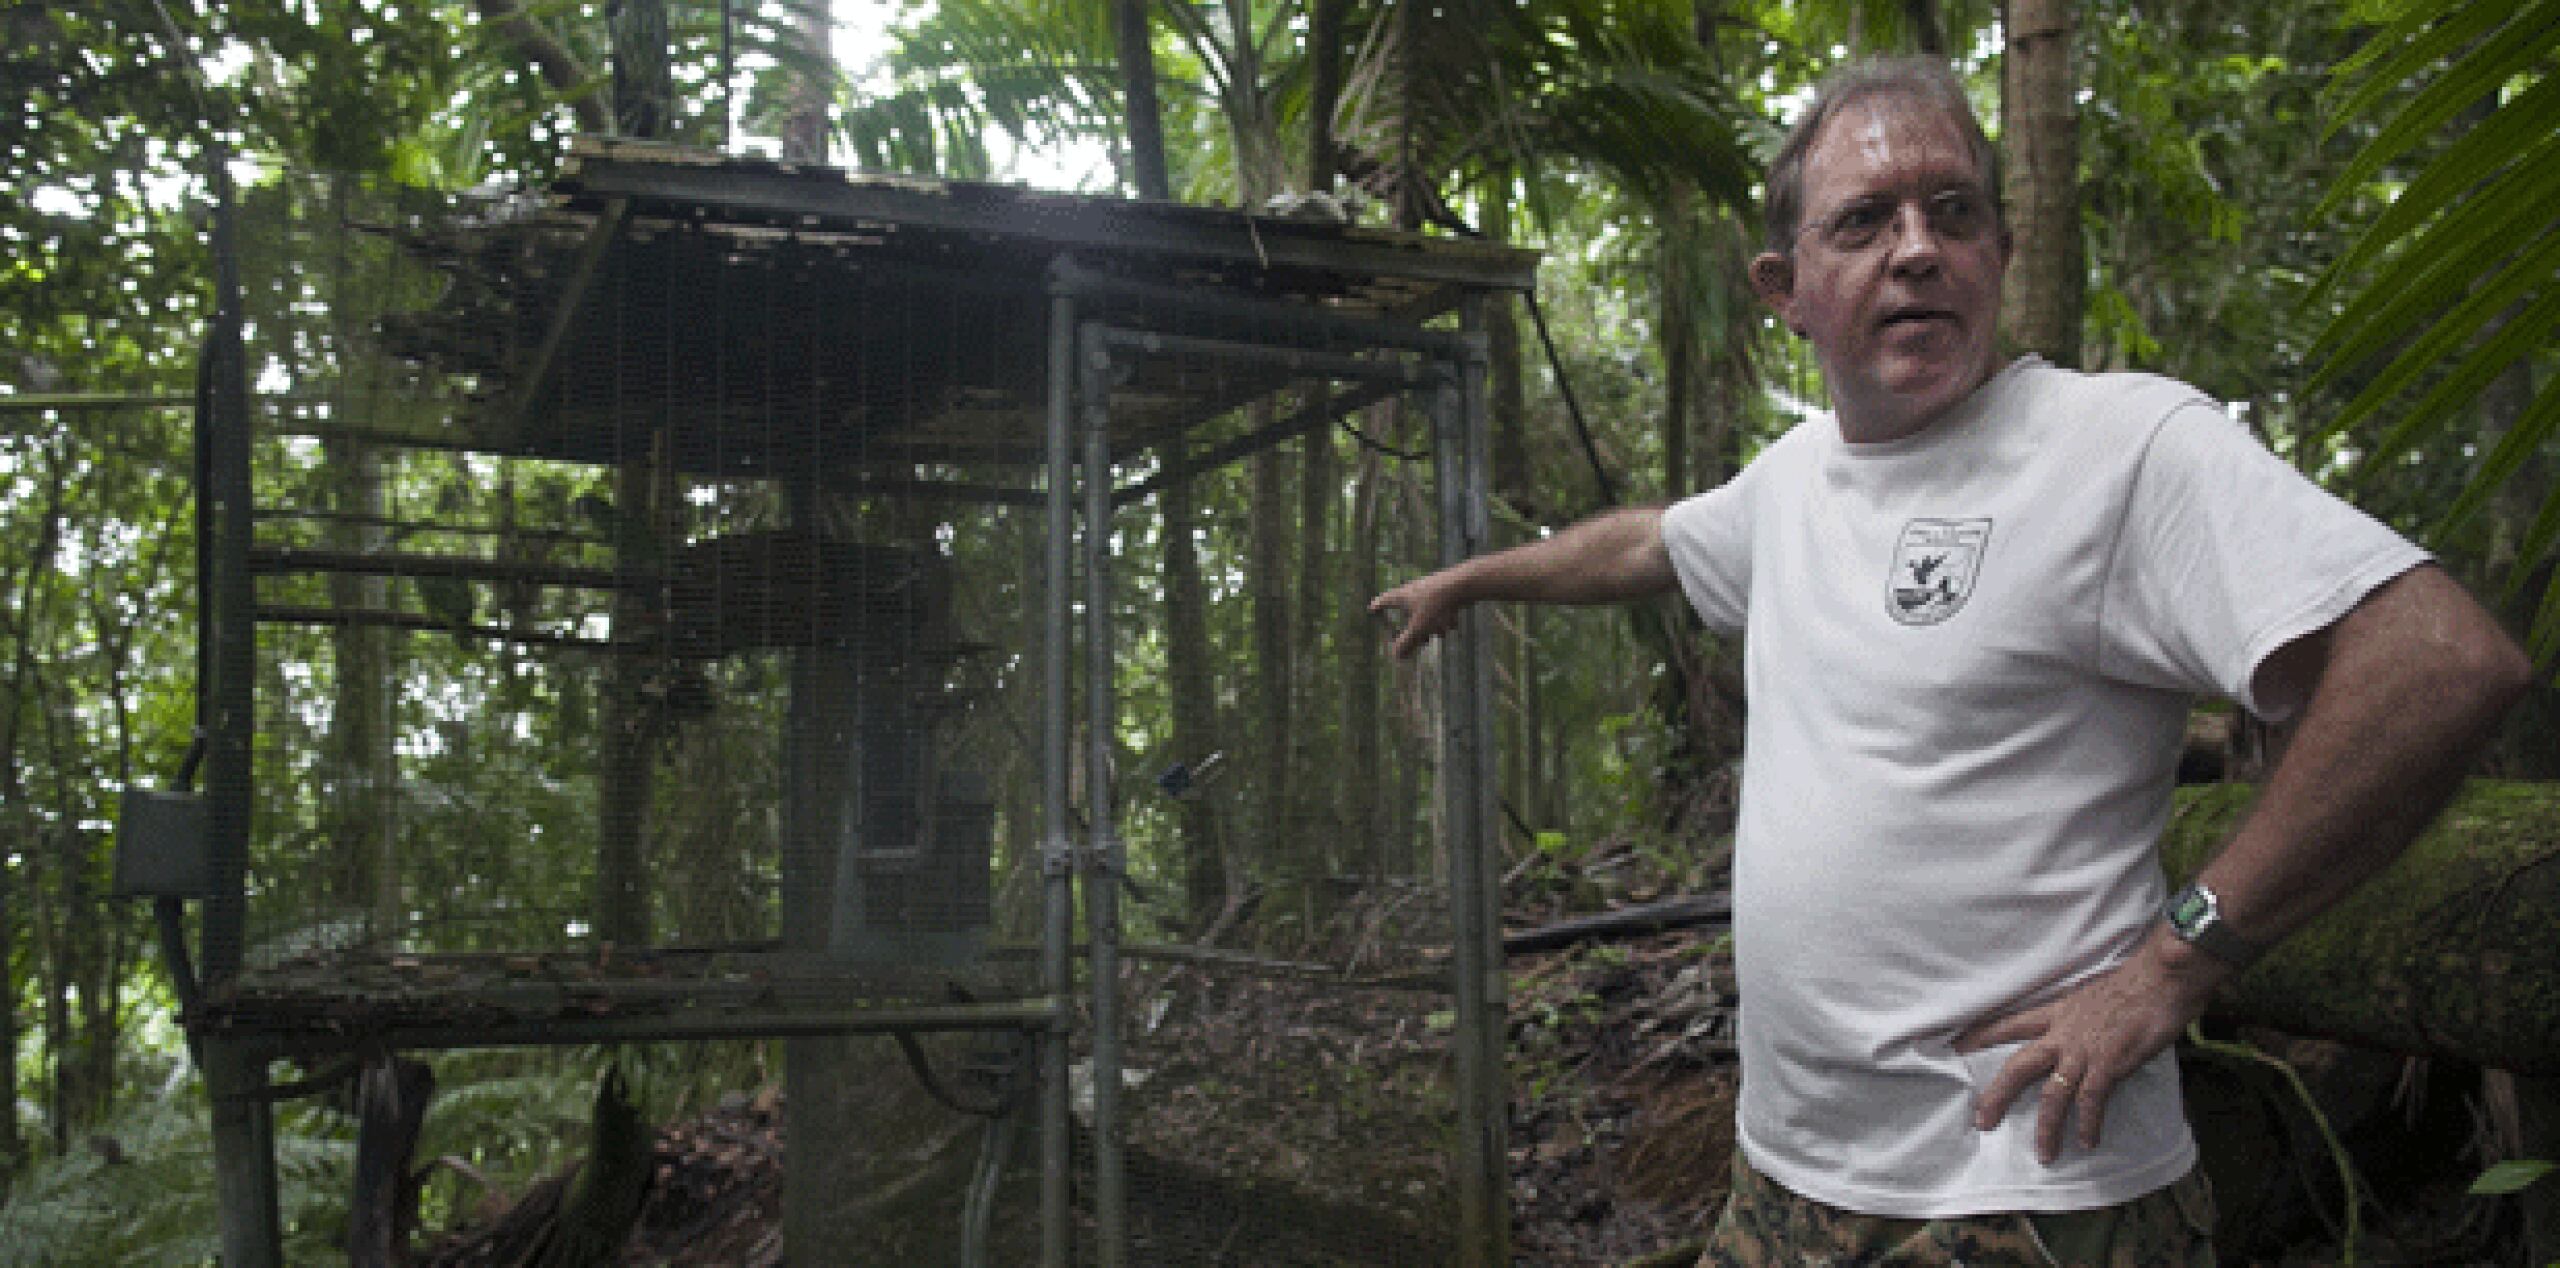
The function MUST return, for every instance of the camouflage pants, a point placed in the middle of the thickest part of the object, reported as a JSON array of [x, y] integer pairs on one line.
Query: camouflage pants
[[1766, 1226]]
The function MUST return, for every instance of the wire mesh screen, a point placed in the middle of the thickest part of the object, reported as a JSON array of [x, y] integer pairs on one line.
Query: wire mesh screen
[[650, 618], [626, 601], [1284, 1003]]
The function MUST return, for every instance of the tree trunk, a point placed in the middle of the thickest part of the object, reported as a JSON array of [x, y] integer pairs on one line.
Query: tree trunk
[[2446, 953], [1360, 656], [644, 93], [1677, 332], [1138, 97], [1927, 32], [804, 129], [628, 786], [1267, 581], [1504, 374], [1324, 95], [20, 824], [643, 106], [1189, 675], [2040, 142], [360, 774]]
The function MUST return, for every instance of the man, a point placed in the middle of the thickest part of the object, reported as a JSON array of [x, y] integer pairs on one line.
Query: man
[[1977, 602]]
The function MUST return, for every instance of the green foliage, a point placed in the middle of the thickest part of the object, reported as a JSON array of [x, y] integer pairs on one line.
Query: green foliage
[[2464, 252], [2512, 1176], [2202, 158], [1037, 72], [139, 1188]]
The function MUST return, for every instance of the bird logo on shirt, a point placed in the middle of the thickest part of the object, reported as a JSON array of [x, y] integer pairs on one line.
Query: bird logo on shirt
[[1935, 564]]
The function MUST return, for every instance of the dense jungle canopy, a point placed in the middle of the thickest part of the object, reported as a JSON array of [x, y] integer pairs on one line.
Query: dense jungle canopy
[[2342, 217]]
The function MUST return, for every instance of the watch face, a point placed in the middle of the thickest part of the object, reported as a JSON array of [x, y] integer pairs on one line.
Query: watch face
[[2191, 909]]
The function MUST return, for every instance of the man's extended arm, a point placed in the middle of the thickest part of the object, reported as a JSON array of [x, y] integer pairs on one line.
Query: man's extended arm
[[2404, 690], [1612, 557]]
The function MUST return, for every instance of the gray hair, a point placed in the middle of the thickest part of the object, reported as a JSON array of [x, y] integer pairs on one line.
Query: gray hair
[[1925, 81]]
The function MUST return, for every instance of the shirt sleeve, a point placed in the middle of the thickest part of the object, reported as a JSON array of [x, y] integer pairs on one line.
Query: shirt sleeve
[[1709, 538], [2227, 554]]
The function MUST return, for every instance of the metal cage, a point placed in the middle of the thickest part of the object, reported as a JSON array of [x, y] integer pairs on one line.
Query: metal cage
[[774, 532]]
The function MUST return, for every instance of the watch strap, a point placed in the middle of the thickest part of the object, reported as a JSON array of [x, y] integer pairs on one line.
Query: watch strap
[[2195, 916]]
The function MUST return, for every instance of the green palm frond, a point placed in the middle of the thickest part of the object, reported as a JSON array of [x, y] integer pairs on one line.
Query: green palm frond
[[1032, 69], [2464, 258], [1620, 87]]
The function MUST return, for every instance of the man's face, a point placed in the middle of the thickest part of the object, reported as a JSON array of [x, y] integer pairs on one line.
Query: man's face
[[1903, 324]]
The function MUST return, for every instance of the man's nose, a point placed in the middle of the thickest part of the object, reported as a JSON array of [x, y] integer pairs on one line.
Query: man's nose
[[1915, 246]]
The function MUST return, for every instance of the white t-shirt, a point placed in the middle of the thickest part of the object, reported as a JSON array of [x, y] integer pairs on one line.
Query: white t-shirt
[[1969, 656]]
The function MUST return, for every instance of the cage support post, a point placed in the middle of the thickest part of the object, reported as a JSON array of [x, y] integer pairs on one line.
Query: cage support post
[[1057, 912], [1103, 863], [1494, 1095], [1476, 963]]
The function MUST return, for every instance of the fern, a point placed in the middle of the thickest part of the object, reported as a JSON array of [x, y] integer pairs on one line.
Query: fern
[[153, 1201]]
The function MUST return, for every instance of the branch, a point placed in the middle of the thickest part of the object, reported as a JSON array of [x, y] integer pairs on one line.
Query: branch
[[552, 59], [1640, 921]]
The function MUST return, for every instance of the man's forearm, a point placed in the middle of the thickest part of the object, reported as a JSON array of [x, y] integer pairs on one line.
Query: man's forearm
[[2408, 686], [2415, 681], [1613, 557]]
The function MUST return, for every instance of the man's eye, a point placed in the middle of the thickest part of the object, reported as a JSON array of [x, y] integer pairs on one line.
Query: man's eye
[[1863, 218]]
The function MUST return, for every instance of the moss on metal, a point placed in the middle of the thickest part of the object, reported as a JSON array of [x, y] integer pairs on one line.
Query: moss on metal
[[2453, 950]]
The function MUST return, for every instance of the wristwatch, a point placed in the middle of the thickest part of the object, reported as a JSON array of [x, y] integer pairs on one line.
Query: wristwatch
[[2195, 915]]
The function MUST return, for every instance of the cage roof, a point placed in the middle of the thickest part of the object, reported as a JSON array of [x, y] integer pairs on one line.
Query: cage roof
[[743, 316]]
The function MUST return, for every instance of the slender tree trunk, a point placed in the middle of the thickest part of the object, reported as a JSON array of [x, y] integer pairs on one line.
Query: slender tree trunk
[[1324, 94], [643, 106], [1206, 879], [1207, 868], [1317, 468], [2040, 140], [360, 776], [1129, 33], [1927, 31], [1360, 656], [1267, 557], [34, 567], [644, 93], [632, 727], [1504, 370], [804, 129], [1676, 332], [1318, 486]]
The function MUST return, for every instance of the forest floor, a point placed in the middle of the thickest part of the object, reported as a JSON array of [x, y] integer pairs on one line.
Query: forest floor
[[1620, 1125], [1620, 1134]]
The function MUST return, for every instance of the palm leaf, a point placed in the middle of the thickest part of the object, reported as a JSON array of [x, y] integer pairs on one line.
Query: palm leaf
[[2425, 35], [2448, 332], [1032, 71], [2441, 261], [2464, 257], [2524, 42], [2510, 135], [2516, 339]]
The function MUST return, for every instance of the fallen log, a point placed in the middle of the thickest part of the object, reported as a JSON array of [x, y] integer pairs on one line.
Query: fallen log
[[2451, 951], [1642, 920]]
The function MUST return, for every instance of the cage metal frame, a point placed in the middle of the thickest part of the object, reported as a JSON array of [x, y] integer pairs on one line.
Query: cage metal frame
[[1092, 344]]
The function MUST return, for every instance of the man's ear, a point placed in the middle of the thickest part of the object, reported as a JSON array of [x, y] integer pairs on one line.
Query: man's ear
[[1773, 278]]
